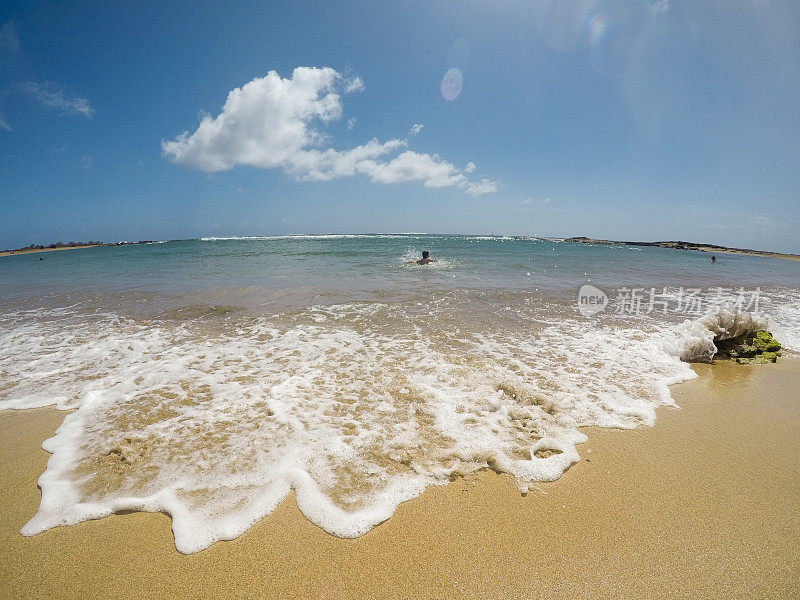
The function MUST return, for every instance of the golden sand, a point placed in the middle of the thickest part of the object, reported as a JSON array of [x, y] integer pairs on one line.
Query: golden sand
[[706, 504]]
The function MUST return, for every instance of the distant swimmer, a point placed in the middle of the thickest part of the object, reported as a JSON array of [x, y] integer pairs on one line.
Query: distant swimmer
[[40, 258], [426, 258], [713, 258]]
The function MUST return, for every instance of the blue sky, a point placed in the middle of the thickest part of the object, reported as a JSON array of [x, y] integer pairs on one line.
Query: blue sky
[[623, 119]]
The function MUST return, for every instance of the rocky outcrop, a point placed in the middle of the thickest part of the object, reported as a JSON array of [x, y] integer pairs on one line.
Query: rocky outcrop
[[750, 349], [679, 245]]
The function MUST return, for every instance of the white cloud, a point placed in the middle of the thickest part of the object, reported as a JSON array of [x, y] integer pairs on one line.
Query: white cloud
[[4, 124], [661, 6], [546, 201], [354, 85], [351, 122], [484, 186], [416, 128], [526, 201], [324, 165], [412, 166], [50, 95], [273, 122]]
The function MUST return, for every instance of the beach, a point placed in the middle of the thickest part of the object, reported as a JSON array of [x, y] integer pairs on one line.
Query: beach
[[36, 250], [704, 504]]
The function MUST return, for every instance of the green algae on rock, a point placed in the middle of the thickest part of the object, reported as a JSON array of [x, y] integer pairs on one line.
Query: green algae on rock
[[752, 348]]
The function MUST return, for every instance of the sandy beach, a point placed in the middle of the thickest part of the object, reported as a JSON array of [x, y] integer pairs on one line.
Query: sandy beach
[[37, 250], [711, 248], [703, 505], [759, 253]]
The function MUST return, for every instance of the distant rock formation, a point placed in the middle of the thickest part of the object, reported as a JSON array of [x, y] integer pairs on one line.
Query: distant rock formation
[[679, 245], [57, 245]]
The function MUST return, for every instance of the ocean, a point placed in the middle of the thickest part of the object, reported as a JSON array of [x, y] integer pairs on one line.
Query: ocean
[[208, 378]]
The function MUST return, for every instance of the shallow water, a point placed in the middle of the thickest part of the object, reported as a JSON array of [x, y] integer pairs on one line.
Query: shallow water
[[213, 376]]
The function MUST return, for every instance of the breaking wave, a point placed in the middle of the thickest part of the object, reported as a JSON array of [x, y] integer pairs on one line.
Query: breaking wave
[[356, 407]]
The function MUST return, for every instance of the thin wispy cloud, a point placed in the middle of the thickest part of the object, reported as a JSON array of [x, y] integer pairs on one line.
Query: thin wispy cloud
[[274, 122], [354, 84], [416, 128], [9, 38], [661, 6], [53, 97], [4, 124], [528, 201]]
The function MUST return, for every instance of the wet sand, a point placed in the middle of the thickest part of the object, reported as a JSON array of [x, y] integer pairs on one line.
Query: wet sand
[[706, 504]]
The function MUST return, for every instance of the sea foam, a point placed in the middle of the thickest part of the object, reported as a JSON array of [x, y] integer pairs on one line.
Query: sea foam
[[356, 407]]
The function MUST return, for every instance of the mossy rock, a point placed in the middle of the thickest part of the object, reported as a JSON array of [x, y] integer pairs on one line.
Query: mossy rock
[[752, 348], [761, 359]]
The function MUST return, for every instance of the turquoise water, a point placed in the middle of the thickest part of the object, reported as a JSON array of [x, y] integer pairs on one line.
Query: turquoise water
[[357, 266], [209, 378]]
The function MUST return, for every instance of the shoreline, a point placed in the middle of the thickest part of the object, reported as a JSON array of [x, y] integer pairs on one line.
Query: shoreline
[[705, 504], [673, 245], [37, 250], [77, 246]]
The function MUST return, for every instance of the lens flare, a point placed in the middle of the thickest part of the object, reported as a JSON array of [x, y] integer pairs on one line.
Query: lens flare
[[458, 55], [597, 28], [451, 84]]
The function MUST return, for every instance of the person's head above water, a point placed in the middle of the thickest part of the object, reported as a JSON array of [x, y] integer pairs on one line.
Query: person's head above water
[[426, 258], [425, 254]]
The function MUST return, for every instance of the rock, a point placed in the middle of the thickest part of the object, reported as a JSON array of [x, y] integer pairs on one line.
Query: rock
[[752, 348]]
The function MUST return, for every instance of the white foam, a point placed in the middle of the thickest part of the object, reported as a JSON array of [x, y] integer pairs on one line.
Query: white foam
[[784, 317], [310, 236], [693, 340], [412, 255], [356, 407]]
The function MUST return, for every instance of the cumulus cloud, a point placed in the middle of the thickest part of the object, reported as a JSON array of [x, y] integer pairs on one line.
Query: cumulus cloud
[[416, 128], [484, 186], [275, 122], [51, 96]]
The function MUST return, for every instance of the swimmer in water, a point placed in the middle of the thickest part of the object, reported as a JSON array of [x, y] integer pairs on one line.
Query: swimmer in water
[[426, 258], [713, 258]]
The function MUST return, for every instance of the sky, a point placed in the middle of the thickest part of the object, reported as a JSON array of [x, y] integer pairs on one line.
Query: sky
[[620, 119]]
